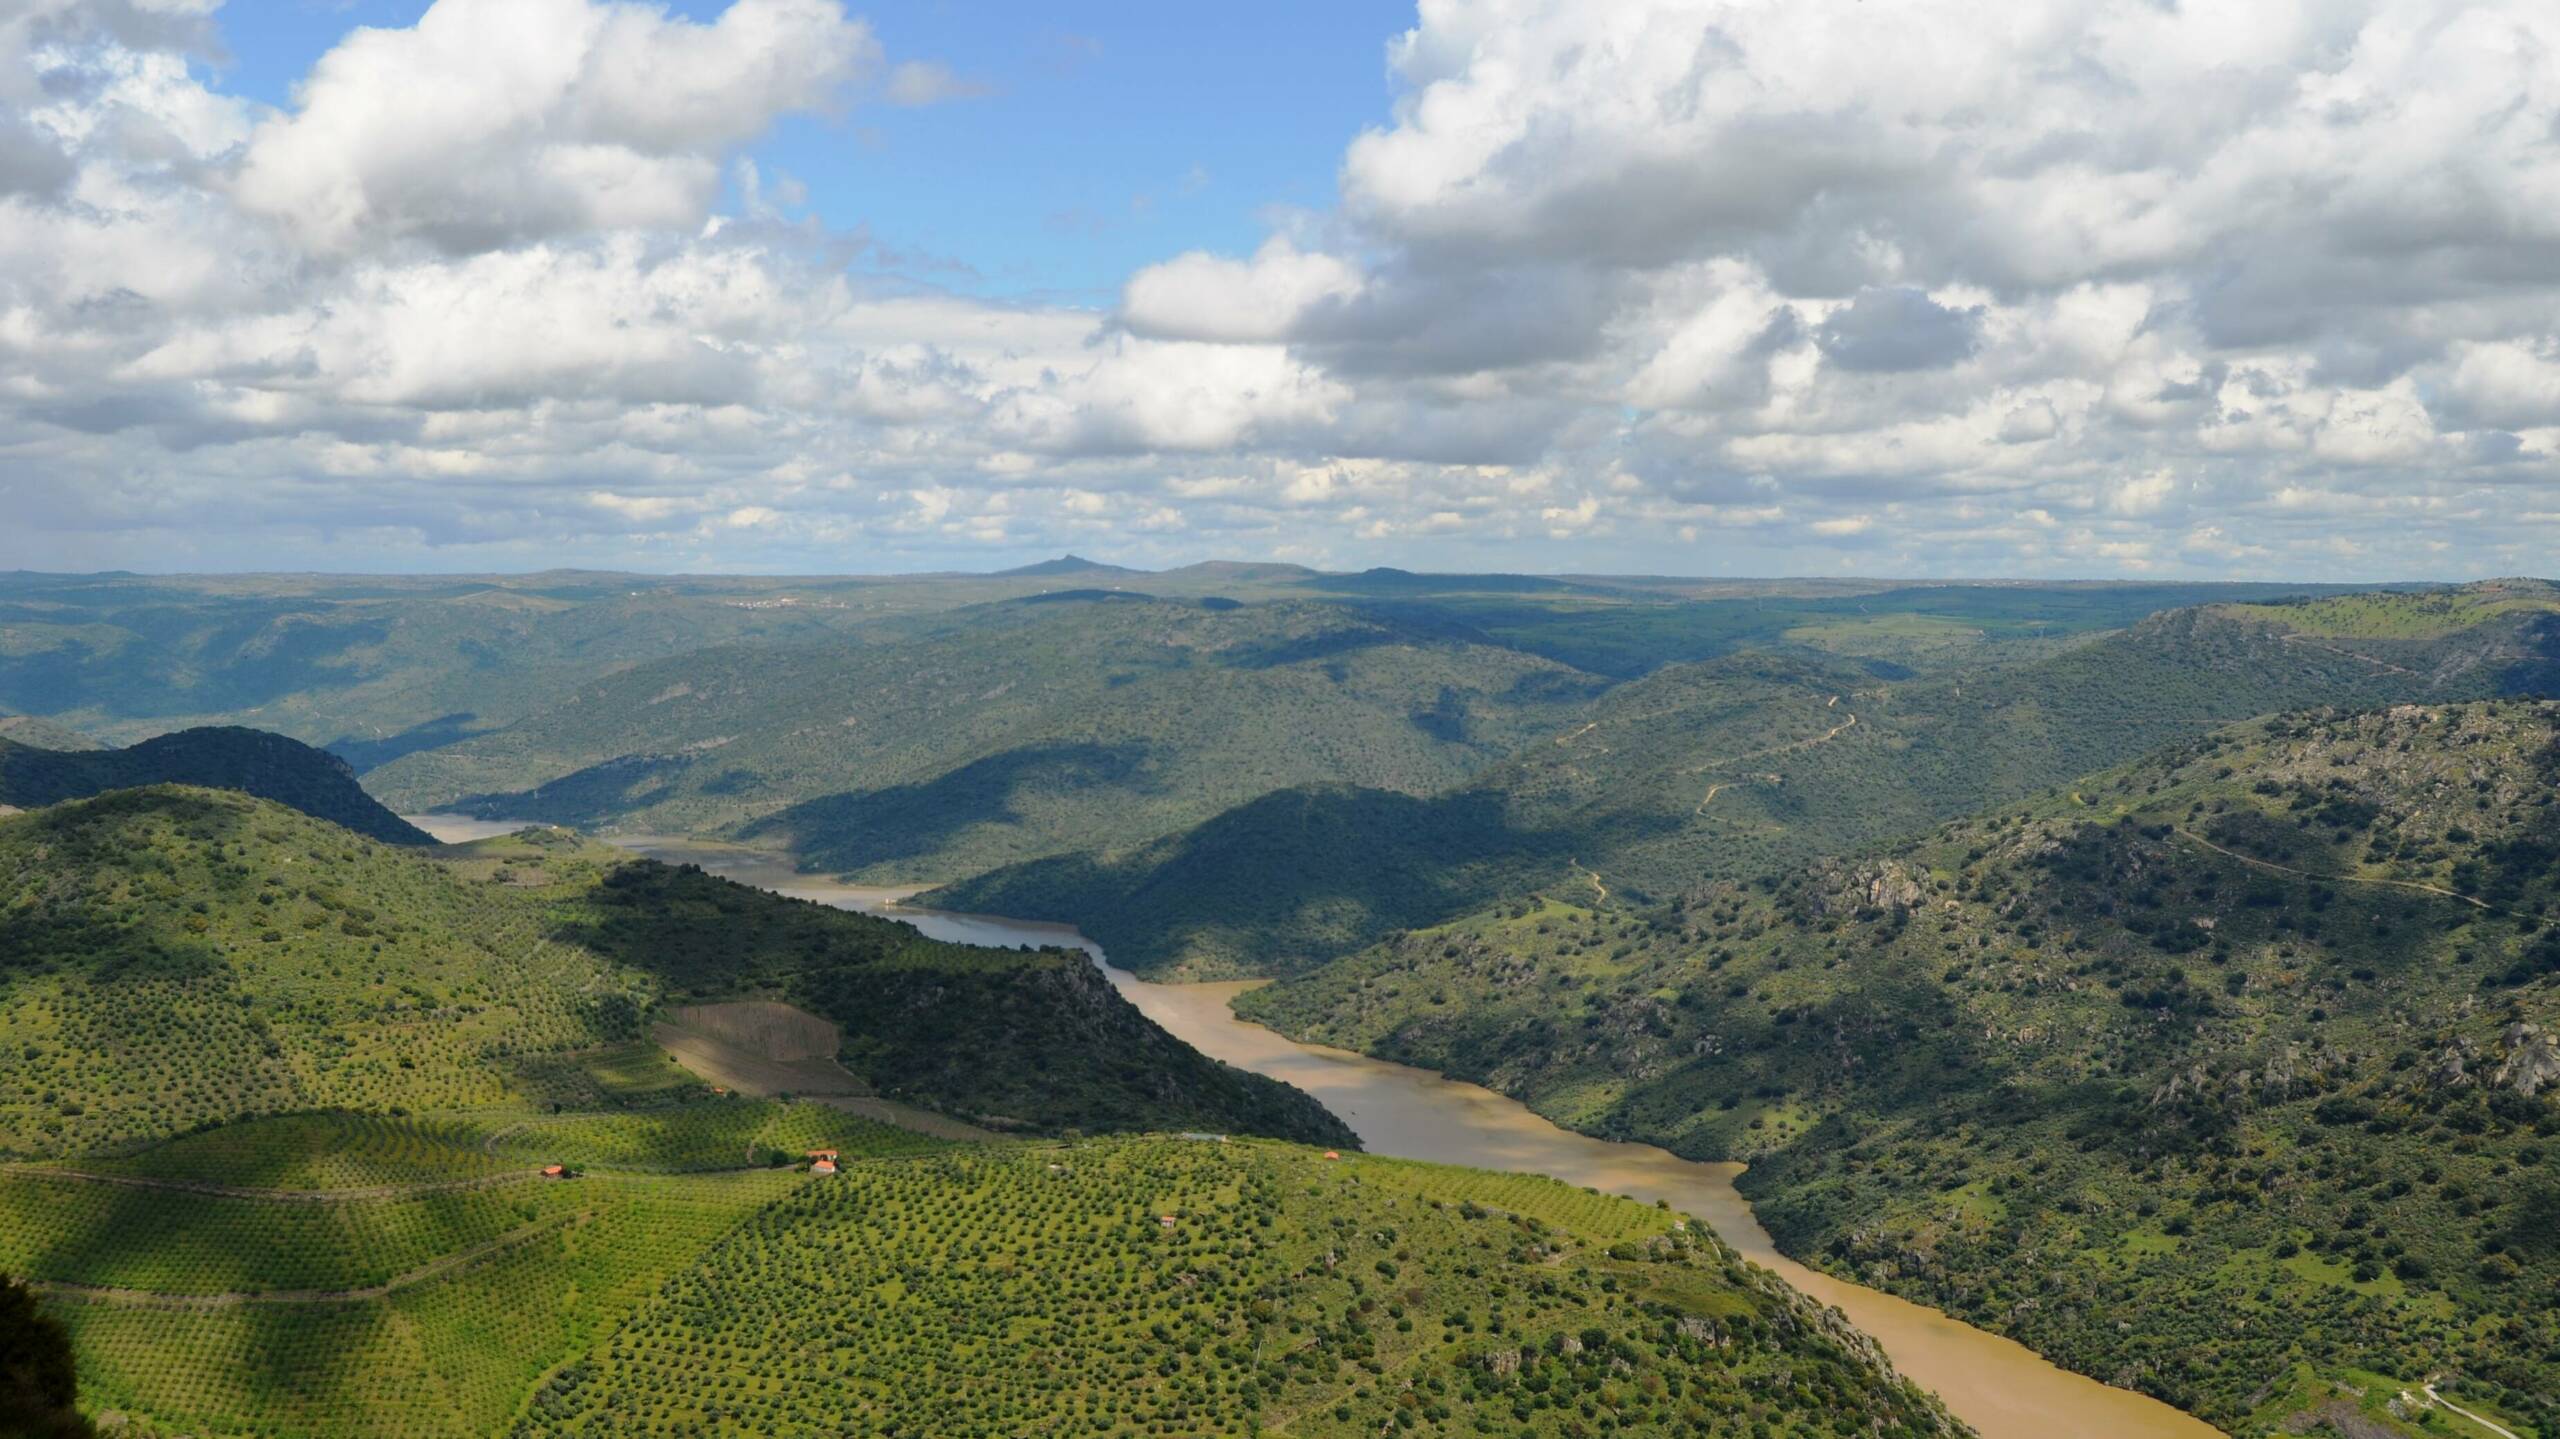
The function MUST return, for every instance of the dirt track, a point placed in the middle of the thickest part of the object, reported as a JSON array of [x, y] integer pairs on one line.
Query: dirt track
[[1791, 747], [287, 1196], [2408, 884], [153, 1299]]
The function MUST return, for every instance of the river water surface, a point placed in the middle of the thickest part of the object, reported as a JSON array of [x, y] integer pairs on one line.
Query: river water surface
[[2000, 1387]]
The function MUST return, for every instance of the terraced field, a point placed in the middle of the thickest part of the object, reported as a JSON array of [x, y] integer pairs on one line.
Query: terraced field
[[314, 1152], [1119, 1286], [382, 1276], [454, 1355], [1173, 1287], [721, 1134]]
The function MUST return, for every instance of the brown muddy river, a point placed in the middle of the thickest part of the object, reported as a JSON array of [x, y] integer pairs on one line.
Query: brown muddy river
[[1999, 1387]]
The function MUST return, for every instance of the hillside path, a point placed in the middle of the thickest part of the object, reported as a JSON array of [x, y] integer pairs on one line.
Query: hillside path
[[154, 1299], [1716, 789], [288, 1196], [1594, 876], [1791, 747], [2491, 1426], [2268, 864], [2294, 639]]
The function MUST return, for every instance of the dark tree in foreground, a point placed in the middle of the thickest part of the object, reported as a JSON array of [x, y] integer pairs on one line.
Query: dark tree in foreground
[[37, 1385]]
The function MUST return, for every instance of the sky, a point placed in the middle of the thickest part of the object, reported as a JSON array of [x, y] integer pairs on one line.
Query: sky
[[2081, 288]]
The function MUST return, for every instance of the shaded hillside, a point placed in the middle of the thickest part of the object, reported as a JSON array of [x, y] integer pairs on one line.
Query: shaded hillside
[[1005, 1037], [172, 957], [269, 766], [1728, 769], [1029, 729], [2262, 1029]]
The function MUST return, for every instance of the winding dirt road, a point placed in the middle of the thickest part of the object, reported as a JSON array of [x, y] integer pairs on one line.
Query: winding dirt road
[[1791, 747], [2491, 1425], [2267, 864]]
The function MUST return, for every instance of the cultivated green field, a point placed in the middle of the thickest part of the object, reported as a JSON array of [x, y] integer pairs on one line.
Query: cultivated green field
[[929, 1288], [1172, 1287]]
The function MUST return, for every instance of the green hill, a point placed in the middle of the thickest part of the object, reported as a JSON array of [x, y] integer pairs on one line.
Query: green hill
[[2234, 1059], [269, 766], [1740, 766], [1123, 1286], [282, 1098], [1017, 731], [174, 957]]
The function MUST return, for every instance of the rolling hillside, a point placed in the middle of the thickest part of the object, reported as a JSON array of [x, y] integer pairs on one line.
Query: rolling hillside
[[1018, 731], [2233, 1060], [254, 762], [174, 957], [1738, 767], [1130, 1286]]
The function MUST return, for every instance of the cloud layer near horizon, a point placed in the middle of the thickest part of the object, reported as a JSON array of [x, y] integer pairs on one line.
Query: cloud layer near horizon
[[2083, 286]]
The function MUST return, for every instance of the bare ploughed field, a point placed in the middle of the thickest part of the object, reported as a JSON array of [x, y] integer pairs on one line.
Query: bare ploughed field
[[766, 1027], [764, 1047]]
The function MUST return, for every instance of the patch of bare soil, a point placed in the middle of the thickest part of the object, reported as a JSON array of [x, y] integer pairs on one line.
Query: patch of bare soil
[[764, 1027], [740, 1068], [764, 1047]]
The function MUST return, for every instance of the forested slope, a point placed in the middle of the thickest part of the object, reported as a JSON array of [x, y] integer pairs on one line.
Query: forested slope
[[1016, 731], [2230, 1060], [1742, 766]]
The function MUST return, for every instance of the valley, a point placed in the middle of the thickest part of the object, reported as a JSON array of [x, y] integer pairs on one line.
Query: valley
[[1997, 1387], [2020, 989], [1495, 719]]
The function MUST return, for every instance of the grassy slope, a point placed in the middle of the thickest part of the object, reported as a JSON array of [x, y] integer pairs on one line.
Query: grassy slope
[[252, 761], [170, 957], [2238, 1119], [1020, 730], [1624, 793]]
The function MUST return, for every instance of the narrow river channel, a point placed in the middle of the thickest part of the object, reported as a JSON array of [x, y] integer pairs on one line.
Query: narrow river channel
[[2001, 1388]]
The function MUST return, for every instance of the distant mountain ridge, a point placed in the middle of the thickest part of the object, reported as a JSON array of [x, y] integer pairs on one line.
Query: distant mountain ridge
[[255, 762], [43, 734], [1065, 565], [1748, 765]]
